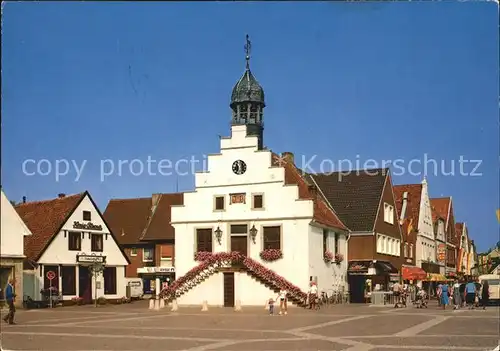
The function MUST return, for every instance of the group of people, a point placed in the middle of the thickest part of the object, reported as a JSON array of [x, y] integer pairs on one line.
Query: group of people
[[461, 294], [282, 298]]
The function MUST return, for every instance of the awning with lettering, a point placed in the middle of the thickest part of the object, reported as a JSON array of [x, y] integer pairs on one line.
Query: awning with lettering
[[413, 273]]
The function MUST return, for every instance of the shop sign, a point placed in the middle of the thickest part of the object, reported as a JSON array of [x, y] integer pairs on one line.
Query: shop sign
[[441, 253], [152, 270], [90, 259], [86, 226]]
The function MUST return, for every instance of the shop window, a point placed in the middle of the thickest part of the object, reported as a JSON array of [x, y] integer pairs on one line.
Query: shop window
[[109, 275], [74, 241], [96, 242], [272, 237], [68, 280]]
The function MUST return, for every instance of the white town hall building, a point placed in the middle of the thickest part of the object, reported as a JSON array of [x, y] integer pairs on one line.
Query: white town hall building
[[254, 202]]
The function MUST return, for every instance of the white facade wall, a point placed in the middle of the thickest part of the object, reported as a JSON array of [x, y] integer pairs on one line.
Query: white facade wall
[[302, 257], [426, 243], [12, 232], [58, 253]]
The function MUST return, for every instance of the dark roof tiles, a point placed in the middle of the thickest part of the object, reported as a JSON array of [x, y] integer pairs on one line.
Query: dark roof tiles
[[355, 197]]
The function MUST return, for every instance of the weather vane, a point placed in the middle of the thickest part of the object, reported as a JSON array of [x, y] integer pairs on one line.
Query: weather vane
[[248, 48]]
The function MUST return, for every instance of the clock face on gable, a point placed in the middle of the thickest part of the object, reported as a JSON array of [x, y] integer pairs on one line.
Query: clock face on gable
[[239, 167]]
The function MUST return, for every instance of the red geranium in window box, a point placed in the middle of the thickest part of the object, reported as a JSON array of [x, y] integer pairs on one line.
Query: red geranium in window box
[[339, 258], [270, 255]]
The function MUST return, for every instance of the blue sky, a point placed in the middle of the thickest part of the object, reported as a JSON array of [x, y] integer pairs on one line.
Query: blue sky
[[385, 81]]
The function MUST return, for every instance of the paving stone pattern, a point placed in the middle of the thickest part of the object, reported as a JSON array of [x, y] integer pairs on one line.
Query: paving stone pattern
[[349, 328]]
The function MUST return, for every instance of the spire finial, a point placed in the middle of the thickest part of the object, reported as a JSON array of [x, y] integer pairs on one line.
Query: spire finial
[[248, 48]]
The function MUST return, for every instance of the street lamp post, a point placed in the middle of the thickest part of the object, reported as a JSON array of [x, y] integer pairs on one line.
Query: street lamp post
[[96, 269]]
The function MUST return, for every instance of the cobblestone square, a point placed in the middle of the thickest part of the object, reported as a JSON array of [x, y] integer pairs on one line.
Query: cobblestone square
[[348, 327]]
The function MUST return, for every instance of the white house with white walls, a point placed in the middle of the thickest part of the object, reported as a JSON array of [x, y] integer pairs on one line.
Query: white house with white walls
[[13, 231], [70, 238], [248, 200], [426, 242]]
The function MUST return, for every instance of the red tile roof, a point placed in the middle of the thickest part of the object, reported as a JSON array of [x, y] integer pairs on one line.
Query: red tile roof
[[459, 228], [323, 214], [134, 220], [412, 206], [440, 208], [45, 219]]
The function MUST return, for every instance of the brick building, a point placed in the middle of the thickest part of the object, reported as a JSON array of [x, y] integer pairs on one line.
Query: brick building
[[144, 232]]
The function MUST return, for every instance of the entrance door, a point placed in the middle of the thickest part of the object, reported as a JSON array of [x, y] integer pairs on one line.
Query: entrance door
[[239, 243], [229, 289], [84, 288], [357, 288]]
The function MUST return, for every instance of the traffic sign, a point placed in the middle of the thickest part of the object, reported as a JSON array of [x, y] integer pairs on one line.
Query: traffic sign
[[50, 275]]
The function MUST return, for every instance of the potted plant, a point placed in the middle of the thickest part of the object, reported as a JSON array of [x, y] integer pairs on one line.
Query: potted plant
[[270, 255], [77, 300], [328, 256], [339, 258]]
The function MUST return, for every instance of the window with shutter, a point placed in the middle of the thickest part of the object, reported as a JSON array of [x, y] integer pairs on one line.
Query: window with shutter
[[204, 240], [325, 240], [272, 237]]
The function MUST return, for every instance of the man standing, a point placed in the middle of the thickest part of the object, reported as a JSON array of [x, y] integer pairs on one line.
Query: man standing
[[470, 294], [10, 297]]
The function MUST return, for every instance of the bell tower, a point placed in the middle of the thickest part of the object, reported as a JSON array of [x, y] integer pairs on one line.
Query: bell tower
[[247, 101]]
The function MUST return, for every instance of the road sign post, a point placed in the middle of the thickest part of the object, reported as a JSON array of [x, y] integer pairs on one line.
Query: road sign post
[[50, 276]]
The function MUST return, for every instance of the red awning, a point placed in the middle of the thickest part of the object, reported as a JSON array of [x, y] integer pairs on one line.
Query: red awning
[[413, 273]]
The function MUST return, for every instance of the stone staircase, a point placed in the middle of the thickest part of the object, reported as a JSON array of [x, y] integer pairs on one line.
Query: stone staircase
[[212, 263]]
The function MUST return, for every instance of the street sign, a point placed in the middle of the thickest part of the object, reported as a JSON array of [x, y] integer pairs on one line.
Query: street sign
[[50, 275]]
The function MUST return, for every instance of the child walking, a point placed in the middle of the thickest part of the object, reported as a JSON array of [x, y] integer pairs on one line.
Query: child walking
[[270, 304]]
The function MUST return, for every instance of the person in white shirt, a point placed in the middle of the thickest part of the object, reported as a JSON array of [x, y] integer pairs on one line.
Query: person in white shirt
[[282, 298], [312, 295]]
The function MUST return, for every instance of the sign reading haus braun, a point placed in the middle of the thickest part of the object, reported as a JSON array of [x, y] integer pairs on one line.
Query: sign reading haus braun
[[86, 226], [90, 259]]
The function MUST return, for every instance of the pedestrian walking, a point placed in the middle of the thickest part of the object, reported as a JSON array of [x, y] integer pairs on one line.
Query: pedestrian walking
[[457, 299], [445, 295], [485, 294], [470, 294], [10, 297]]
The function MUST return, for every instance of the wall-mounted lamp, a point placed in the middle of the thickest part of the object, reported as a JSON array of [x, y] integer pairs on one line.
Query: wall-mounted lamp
[[218, 234], [253, 233]]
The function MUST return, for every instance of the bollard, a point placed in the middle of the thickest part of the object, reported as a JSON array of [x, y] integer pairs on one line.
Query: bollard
[[151, 304], [162, 303], [157, 304], [205, 306], [237, 306], [174, 306]]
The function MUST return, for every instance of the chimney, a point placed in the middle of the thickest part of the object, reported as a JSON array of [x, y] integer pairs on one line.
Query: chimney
[[288, 157], [61, 195], [155, 198], [24, 199], [403, 208]]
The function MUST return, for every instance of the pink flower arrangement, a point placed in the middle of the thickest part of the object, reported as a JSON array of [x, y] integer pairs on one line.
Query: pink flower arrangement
[[208, 265], [270, 255], [328, 256], [202, 255], [339, 258]]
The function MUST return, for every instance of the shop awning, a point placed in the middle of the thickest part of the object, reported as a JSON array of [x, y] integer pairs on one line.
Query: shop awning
[[413, 273], [433, 277], [361, 267]]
